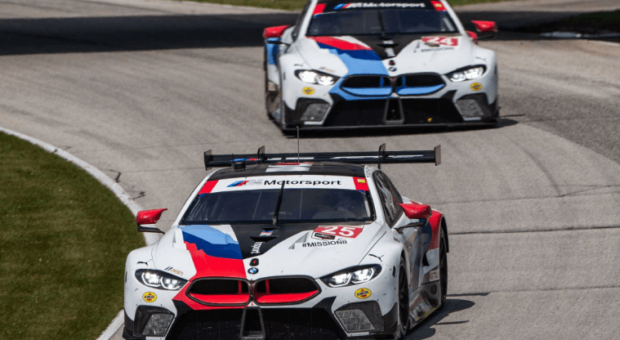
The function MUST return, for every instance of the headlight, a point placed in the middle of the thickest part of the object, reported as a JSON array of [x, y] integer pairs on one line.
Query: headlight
[[467, 74], [159, 279], [352, 276], [316, 77]]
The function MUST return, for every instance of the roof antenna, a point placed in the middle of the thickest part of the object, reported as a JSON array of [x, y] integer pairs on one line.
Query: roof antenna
[[381, 155], [297, 144]]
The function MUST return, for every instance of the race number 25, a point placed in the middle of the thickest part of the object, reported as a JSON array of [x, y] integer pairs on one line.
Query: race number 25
[[350, 232]]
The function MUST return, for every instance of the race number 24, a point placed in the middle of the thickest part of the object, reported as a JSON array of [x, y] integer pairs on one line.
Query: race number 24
[[350, 232]]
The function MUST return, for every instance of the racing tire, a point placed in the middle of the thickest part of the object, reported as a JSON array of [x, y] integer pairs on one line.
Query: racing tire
[[403, 302], [443, 267], [267, 94]]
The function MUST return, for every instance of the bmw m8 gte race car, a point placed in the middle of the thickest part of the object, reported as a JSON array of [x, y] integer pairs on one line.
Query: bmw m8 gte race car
[[283, 249], [383, 63]]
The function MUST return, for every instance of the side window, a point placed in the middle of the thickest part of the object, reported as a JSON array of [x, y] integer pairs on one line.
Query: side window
[[300, 20], [389, 197]]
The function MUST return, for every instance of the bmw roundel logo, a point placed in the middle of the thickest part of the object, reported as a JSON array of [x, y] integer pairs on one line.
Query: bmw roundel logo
[[392, 69], [253, 270]]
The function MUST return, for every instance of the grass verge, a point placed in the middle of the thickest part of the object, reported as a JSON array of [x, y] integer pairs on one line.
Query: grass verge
[[63, 242], [299, 4]]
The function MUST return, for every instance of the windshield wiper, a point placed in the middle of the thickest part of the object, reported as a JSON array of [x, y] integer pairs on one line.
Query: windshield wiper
[[277, 212], [383, 35]]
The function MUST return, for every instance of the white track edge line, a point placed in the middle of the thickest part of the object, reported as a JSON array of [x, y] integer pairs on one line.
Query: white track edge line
[[109, 183]]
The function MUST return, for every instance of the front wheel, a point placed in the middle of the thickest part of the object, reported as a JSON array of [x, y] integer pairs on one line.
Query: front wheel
[[403, 302]]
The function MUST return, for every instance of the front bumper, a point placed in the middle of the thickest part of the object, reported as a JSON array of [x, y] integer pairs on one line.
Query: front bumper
[[446, 103], [316, 323], [312, 318]]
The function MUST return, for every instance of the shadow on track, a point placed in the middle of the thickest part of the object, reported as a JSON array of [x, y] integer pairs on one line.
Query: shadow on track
[[369, 132], [425, 329], [165, 32]]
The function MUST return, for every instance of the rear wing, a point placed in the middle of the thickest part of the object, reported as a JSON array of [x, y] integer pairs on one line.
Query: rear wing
[[363, 157]]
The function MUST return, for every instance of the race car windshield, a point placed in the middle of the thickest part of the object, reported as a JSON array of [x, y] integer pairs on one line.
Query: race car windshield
[[298, 205], [380, 22]]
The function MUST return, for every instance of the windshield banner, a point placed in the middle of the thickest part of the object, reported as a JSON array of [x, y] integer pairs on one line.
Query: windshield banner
[[291, 182]]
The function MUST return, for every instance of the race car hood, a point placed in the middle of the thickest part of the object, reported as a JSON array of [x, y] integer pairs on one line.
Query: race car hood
[[288, 250], [348, 55]]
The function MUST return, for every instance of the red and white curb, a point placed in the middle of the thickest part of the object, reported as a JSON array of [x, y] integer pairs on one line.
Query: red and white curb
[[109, 183]]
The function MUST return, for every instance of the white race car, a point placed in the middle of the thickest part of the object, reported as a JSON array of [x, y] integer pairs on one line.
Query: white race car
[[379, 64], [318, 249]]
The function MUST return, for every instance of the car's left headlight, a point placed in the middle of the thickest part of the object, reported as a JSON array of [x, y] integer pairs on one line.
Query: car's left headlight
[[352, 276], [469, 73], [316, 77], [159, 279]]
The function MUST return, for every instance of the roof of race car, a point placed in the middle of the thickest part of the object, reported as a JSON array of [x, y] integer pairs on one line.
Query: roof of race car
[[303, 168]]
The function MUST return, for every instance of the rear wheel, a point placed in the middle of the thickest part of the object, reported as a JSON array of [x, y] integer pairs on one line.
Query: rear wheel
[[403, 302]]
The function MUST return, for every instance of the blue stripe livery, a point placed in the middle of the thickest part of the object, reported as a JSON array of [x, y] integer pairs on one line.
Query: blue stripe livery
[[212, 241]]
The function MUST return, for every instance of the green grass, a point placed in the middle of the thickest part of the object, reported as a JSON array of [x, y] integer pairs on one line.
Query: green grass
[[63, 242], [299, 4]]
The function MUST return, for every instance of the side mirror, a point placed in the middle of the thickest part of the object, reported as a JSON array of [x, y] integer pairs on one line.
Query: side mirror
[[417, 213], [274, 32], [485, 29], [147, 219], [473, 36]]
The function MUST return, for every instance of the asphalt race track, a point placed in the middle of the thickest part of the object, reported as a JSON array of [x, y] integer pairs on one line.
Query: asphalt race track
[[140, 88]]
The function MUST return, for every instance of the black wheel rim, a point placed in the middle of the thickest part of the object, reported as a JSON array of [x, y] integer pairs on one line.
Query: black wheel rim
[[403, 298]]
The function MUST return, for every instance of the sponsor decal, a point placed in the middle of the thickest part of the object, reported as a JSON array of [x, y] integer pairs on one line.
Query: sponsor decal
[[363, 293], [256, 248], [254, 262], [434, 275], [149, 297], [242, 183], [313, 183], [360, 184], [440, 41], [476, 87], [439, 6], [252, 271], [358, 5], [175, 271], [266, 233], [322, 236], [342, 231], [323, 243], [308, 90]]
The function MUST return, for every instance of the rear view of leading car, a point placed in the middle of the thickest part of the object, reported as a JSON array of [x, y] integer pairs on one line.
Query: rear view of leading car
[[379, 64]]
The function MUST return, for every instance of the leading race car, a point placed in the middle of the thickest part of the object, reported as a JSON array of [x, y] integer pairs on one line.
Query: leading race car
[[379, 63], [282, 249]]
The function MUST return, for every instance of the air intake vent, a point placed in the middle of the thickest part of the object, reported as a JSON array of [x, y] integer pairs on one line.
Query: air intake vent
[[226, 292], [285, 290]]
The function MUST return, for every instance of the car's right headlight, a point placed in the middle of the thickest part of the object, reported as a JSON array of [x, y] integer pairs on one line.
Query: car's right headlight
[[352, 276], [469, 73], [159, 279], [316, 77]]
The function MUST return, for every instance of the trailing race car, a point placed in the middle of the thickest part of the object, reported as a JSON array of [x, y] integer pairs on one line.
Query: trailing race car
[[379, 64], [282, 249]]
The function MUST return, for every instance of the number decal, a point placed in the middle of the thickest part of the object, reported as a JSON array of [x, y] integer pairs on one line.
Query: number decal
[[437, 41], [328, 230], [349, 232]]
